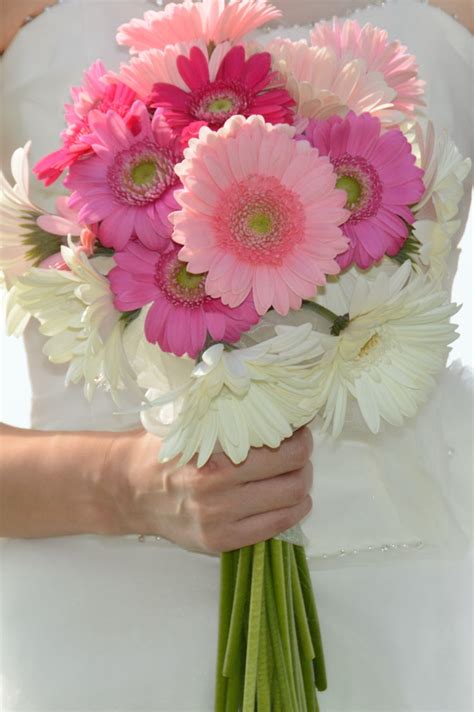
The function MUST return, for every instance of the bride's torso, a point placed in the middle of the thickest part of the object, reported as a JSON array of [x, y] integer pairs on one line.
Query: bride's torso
[[115, 610]]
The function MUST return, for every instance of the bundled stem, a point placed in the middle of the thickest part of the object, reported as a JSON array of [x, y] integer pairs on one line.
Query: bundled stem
[[269, 653]]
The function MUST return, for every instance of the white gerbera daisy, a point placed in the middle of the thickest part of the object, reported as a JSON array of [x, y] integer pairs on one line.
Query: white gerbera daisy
[[22, 242], [445, 171], [242, 398], [75, 309], [396, 341], [436, 241]]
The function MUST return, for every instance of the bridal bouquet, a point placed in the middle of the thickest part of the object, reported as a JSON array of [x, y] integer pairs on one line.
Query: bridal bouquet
[[249, 237]]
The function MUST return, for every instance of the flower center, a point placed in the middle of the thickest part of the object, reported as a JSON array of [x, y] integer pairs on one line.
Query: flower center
[[362, 184], [141, 174], [144, 172], [352, 187], [259, 220], [218, 101], [179, 286], [369, 345]]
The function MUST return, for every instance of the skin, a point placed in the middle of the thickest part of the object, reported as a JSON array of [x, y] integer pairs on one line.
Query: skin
[[64, 483], [14, 12]]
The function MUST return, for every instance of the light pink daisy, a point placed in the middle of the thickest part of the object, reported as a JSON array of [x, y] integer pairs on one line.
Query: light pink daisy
[[182, 315], [211, 20], [236, 86], [94, 94], [323, 84], [128, 185], [377, 170], [400, 69], [260, 214]]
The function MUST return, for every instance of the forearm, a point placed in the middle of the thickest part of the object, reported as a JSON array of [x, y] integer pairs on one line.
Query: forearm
[[52, 483]]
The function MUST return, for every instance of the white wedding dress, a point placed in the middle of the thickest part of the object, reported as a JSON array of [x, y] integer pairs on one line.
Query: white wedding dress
[[97, 624]]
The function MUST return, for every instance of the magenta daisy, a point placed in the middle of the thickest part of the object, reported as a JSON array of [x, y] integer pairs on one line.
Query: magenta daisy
[[400, 70], [377, 170], [182, 315], [210, 20], [94, 94], [128, 186], [260, 214], [214, 92]]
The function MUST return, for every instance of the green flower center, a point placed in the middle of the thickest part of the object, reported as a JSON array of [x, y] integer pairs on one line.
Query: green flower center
[[260, 222], [222, 103], [144, 172], [187, 280], [352, 187]]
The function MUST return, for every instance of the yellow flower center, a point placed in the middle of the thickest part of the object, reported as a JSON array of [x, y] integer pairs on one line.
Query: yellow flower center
[[369, 345], [220, 104]]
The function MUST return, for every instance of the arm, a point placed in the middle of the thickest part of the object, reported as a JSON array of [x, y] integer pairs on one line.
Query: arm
[[60, 483]]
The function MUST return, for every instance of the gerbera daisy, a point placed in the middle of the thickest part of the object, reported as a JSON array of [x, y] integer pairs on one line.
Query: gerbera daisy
[[260, 214], [322, 84], [247, 397], [377, 170], [396, 341], [213, 92], [182, 314], [211, 20], [128, 186], [94, 94], [400, 70]]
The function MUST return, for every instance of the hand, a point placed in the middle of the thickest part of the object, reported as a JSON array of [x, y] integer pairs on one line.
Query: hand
[[217, 508]]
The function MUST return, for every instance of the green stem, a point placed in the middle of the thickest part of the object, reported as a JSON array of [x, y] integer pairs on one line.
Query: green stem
[[279, 587], [236, 629], [228, 561], [288, 699], [300, 610], [255, 613], [322, 311], [263, 681], [312, 616], [295, 653], [235, 685]]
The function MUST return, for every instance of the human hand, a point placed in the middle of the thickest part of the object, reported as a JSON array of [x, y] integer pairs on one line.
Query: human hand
[[217, 508]]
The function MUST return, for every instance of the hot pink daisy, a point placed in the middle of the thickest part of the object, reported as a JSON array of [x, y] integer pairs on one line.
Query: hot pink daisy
[[234, 86], [128, 185], [400, 69], [211, 20], [377, 171], [260, 214], [94, 94], [182, 315]]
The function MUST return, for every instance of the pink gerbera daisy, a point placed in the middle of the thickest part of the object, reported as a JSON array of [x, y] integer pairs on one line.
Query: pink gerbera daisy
[[239, 86], [182, 315], [377, 171], [128, 185], [400, 69], [94, 94], [260, 214], [211, 20]]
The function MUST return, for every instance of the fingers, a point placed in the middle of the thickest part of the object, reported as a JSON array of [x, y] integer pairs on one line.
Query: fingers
[[264, 462], [274, 493], [265, 526]]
